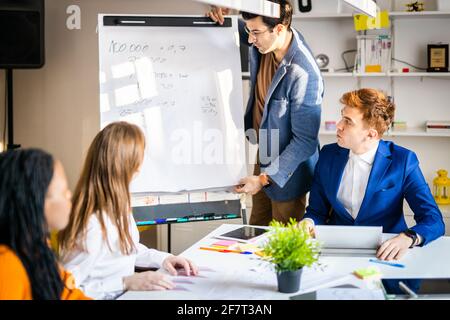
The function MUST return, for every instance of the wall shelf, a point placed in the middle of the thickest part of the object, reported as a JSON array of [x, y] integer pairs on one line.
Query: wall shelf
[[392, 14], [371, 74], [336, 74], [419, 74], [322, 16], [410, 132], [383, 74], [422, 14]]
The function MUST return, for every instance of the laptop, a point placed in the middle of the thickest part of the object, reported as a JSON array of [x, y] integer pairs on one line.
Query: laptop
[[349, 240]]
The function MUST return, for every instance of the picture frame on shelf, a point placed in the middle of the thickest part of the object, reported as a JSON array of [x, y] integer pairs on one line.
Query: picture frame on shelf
[[437, 57]]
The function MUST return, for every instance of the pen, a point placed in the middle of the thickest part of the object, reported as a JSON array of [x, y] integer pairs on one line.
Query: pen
[[392, 264], [225, 250]]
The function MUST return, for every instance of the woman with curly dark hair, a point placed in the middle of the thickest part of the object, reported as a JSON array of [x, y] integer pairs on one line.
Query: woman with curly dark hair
[[34, 200]]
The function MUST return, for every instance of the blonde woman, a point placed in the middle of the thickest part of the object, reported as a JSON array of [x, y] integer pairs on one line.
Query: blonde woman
[[100, 245]]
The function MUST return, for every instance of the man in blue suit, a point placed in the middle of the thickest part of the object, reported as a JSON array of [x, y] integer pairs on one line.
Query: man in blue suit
[[282, 115], [362, 180]]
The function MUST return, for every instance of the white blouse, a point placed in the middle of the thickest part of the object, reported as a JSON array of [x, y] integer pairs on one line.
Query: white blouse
[[99, 271]]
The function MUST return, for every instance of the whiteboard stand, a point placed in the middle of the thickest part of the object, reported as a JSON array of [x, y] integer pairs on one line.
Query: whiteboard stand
[[189, 212], [145, 79]]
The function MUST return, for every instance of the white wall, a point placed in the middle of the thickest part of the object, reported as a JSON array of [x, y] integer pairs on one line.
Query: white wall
[[56, 107]]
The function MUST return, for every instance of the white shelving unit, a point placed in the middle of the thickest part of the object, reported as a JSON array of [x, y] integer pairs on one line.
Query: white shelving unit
[[410, 132], [388, 74], [322, 16], [393, 14], [420, 15]]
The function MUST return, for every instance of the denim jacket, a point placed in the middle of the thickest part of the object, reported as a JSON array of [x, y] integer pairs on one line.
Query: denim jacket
[[291, 119]]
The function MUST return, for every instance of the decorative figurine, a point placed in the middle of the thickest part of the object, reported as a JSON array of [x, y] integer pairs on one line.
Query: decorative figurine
[[415, 6]]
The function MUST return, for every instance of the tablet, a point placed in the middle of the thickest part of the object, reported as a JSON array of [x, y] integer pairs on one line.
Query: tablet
[[244, 234]]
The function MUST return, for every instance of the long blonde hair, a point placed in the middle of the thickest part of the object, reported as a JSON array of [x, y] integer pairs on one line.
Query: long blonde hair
[[113, 158]]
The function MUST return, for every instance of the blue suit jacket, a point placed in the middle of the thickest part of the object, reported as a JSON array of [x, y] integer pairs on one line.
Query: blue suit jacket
[[395, 176], [291, 119]]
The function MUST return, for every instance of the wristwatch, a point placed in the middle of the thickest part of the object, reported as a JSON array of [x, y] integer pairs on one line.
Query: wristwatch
[[411, 234]]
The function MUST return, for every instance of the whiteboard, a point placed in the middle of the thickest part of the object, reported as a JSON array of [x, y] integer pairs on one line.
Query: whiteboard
[[179, 79]]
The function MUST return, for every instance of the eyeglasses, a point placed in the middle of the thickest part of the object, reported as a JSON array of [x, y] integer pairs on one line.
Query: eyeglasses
[[256, 34]]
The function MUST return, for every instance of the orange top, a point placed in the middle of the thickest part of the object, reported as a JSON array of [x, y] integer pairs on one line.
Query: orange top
[[15, 285]]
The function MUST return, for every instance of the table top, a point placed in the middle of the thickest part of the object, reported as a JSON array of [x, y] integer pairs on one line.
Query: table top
[[225, 276]]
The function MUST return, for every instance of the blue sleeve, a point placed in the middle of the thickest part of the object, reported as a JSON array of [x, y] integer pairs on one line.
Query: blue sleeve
[[305, 108], [319, 206], [427, 215]]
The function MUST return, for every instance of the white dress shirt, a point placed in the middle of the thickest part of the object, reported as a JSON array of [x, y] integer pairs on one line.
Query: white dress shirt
[[100, 270], [354, 180]]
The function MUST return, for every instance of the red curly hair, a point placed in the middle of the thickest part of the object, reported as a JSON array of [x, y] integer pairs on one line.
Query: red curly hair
[[378, 111]]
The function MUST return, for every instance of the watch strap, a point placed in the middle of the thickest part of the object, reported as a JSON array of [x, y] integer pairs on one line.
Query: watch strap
[[411, 234]]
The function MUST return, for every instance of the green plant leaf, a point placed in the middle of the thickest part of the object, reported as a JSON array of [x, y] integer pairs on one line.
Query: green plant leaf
[[290, 247]]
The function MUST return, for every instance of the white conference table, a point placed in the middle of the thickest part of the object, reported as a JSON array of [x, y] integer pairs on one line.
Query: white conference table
[[225, 276]]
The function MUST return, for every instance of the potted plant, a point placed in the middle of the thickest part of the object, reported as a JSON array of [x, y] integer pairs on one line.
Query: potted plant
[[290, 247]]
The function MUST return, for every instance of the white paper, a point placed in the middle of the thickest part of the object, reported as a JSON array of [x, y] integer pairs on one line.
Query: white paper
[[320, 276]]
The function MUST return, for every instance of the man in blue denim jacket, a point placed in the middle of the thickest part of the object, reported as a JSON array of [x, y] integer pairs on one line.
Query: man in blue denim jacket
[[282, 115]]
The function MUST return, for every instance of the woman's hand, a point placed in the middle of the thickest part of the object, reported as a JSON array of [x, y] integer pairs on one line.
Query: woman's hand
[[171, 264], [147, 281]]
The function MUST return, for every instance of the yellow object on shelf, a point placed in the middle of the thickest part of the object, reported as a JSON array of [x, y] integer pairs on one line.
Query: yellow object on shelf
[[441, 187], [373, 68], [363, 22]]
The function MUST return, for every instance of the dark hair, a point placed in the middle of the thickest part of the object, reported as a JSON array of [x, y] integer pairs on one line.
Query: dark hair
[[284, 19], [25, 176]]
